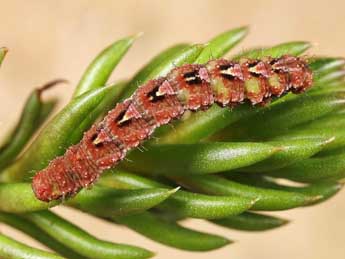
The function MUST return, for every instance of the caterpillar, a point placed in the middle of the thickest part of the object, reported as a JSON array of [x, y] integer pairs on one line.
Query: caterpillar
[[188, 87]]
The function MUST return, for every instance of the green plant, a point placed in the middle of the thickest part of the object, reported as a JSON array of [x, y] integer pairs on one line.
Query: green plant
[[231, 159]]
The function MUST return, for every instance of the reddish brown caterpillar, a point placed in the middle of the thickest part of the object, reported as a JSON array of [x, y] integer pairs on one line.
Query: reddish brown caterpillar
[[188, 87]]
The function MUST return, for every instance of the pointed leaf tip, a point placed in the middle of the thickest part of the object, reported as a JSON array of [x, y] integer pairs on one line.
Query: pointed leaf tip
[[3, 52], [100, 69], [221, 44], [137, 35], [174, 190], [294, 48]]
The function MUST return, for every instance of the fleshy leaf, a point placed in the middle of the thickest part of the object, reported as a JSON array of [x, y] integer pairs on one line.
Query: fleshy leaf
[[200, 158], [99, 71]]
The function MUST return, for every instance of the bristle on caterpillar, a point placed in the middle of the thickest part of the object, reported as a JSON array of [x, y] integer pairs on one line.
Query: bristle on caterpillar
[[157, 102]]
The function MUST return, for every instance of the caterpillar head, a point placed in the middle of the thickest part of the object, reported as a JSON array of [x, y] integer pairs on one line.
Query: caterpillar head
[[42, 188]]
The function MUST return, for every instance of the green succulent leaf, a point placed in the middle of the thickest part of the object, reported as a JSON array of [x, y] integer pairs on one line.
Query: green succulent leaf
[[336, 134], [12, 249], [321, 190], [31, 118], [314, 169], [99, 71], [199, 158], [335, 120], [331, 77], [99, 200], [325, 190], [195, 205], [250, 221], [107, 202], [279, 118], [30, 229], [221, 44], [47, 109], [3, 52], [82, 242], [321, 67], [183, 203], [291, 151], [19, 198], [172, 234], [293, 48], [267, 199]]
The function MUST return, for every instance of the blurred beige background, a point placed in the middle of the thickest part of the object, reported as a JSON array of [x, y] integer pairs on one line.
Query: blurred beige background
[[49, 39]]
